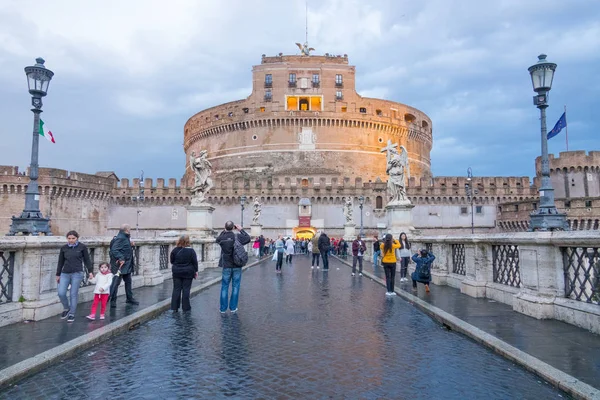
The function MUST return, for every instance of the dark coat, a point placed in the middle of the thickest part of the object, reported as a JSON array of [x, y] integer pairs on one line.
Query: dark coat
[[185, 262], [225, 240], [72, 259], [121, 250], [356, 247], [323, 243], [423, 266], [261, 240]]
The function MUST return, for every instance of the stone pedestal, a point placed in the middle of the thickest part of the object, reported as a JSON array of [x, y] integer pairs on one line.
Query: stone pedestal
[[350, 231], [200, 220], [255, 230], [399, 216]]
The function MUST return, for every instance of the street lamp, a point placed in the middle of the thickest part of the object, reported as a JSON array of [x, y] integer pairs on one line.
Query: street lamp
[[242, 202], [546, 217], [469, 190], [361, 201], [31, 220]]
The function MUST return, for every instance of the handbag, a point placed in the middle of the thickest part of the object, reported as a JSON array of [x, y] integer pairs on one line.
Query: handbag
[[274, 256]]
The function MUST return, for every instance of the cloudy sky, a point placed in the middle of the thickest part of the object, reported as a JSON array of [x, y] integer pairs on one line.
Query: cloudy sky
[[128, 74]]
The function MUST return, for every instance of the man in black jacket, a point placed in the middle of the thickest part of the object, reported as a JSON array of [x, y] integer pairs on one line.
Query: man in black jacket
[[231, 272], [261, 244], [121, 265], [324, 244]]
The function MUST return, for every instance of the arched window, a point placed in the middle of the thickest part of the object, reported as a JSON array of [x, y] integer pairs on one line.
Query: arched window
[[379, 202], [304, 182]]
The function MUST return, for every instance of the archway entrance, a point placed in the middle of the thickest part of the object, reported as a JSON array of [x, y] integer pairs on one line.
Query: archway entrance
[[304, 232]]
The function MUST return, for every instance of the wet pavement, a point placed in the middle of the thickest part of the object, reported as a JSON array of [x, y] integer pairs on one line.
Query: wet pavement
[[24, 340], [302, 334], [566, 347]]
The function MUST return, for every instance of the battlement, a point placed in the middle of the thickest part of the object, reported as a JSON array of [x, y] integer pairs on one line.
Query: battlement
[[325, 59], [570, 160]]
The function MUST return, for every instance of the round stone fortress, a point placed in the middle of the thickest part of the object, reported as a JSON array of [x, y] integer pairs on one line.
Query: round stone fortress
[[304, 117]]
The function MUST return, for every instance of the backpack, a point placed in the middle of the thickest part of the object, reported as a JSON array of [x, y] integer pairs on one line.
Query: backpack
[[111, 254], [240, 255], [425, 272]]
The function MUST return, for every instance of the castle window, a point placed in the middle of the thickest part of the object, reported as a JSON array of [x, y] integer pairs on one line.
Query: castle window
[[478, 210], [567, 203], [245, 110], [268, 95], [339, 95], [254, 137], [363, 110], [588, 204], [380, 140], [378, 202], [464, 210], [516, 207], [339, 81], [409, 118], [292, 81], [262, 109], [230, 114], [217, 116], [268, 80], [304, 104], [378, 112], [424, 124], [344, 109], [305, 184], [315, 80]]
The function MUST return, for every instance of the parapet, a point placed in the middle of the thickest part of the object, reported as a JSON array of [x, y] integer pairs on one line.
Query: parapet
[[570, 160]]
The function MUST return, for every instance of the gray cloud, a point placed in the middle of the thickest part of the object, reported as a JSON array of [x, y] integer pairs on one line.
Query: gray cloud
[[129, 74]]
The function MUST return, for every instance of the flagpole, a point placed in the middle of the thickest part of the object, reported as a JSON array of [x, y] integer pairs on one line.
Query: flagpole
[[566, 129]]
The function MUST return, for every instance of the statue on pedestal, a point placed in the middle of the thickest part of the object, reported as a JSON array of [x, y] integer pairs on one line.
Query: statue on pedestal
[[202, 182], [257, 209], [397, 169], [348, 210]]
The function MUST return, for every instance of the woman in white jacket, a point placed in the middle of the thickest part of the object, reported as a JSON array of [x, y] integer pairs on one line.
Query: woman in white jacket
[[103, 280], [289, 249]]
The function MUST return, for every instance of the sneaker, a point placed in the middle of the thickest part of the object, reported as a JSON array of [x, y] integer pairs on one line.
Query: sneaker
[[101, 316], [360, 274], [133, 301], [64, 314], [70, 318], [91, 317], [353, 274], [393, 294], [317, 267], [312, 267], [222, 312], [113, 304], [388, 293], [234, 311]]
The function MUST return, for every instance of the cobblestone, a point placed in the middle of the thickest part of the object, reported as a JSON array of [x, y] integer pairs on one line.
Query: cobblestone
[[301, 334]]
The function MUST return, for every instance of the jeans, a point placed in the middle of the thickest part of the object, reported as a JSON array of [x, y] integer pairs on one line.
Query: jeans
[[279, 260], [390, 276], [181, 293], [360, 262], [74, 279], [376, 256], [233, 275], [325, 257], [315, 258], [114, 287], [404, 266]]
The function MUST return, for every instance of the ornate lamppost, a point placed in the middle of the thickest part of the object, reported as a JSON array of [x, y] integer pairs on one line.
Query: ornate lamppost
[[361, 201], [242, 202], [469, 191], [546, 217], [31, 220]]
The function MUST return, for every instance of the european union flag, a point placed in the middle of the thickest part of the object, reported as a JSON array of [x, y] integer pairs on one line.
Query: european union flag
[[560, 124]]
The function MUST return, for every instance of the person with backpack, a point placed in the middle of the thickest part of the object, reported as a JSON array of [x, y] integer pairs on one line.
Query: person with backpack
[[422, 273], [184, 263], [233, 258], [121, 265]]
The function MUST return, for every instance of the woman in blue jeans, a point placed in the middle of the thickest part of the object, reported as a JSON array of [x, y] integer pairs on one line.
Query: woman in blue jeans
[[73, 258]]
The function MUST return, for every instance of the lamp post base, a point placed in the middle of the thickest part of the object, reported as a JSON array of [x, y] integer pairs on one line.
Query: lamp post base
[[548, 220], [30, 223]]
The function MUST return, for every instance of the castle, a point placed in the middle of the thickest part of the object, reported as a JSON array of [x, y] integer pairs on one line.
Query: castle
[[305, 138]]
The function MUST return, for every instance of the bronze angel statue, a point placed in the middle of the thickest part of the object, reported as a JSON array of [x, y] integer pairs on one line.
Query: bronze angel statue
[[304, 49]]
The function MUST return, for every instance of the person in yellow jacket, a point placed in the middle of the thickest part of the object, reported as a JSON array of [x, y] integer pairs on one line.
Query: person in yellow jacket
[[388, 260]]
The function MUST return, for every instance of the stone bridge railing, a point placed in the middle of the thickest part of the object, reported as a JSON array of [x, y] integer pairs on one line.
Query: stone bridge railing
[[28, 289], [541, 274]]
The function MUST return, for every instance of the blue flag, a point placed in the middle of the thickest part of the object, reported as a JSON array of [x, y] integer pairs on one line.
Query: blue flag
[[560, 124]]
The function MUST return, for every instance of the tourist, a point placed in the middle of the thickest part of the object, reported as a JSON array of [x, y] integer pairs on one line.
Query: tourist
[[345, 249], [376, 251], [358, 251], [404, 253], [422, 273], [279, 248], [73, 258], [261, 247], [388, 260], [103, 280], [256, 247], [184, 263], [231, 272], [316, 254], [121, 265], [289, 248], [341, 246], [324, 246]]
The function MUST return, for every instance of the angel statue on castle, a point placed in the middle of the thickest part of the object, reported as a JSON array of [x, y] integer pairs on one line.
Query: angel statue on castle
[[304, 49], [202, 182]]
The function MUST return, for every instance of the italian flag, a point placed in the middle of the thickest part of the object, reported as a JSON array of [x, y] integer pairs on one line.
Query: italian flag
[[45, 132]]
